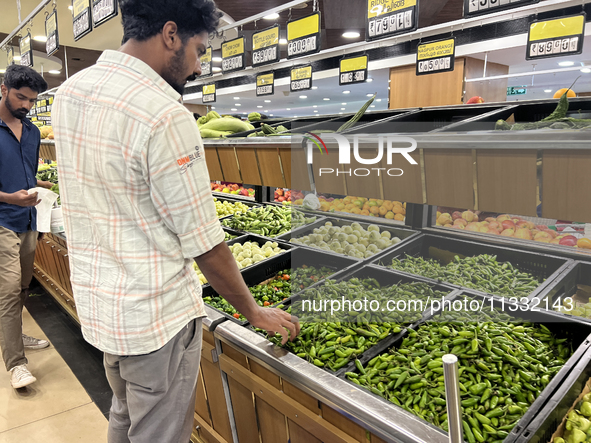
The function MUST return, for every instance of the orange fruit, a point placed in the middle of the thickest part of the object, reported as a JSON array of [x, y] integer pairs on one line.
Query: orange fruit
[[347, 200], [584, 243], [365, 212], [340, 207], [397, 209], [374, 210], [388, 204], [356, 210], [366, 206], [404, 205], [399, 217], [560, 93], [383, 210]]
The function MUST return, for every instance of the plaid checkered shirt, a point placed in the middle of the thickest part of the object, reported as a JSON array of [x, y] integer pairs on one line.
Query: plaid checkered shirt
[[136, 201]]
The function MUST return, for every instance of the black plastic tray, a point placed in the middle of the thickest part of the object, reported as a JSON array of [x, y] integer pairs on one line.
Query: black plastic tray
[[546, 422], [580, 332], [542, 266], [238, 234], [403, 234], [566, 286], [536, 111]]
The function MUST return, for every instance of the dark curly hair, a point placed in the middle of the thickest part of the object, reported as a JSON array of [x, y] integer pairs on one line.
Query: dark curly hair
[[18, 77], [143, 19]]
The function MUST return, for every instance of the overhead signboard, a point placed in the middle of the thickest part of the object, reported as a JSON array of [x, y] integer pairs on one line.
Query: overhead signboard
[[52, 43], [82, 24], [265, 84], [233, 55], [386, 18], [103, 10], [301, 78], [479, 7], [353, 70], [556, 38], [303, 36], [206, 62], [26, 50], [209, 93], [436, 57], [265, 46]]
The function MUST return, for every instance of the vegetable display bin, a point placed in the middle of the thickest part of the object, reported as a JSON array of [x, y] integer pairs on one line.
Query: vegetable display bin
[[578, 332], [543, 267]]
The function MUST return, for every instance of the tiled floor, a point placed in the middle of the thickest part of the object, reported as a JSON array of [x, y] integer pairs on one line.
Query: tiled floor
[[55, 409]]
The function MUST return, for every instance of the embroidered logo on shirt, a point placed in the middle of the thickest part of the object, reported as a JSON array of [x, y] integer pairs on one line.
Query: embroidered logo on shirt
[[188, 161]]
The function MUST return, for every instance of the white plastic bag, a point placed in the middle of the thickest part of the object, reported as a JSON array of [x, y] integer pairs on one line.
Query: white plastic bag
[[48, 198]]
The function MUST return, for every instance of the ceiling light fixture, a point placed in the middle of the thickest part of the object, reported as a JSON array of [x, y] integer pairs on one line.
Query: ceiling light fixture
[[40, 38], [351, 34], [369, 95], [303, 96], [342, 109], [54, 71], [237, 104], [315, 111], [17, 58], [216, 59], [314, 87], [259, 107], [369, 80], [283, 41], [288, 109], [346, 92], [344, 104], [566, 64], [266, 110], [315, 106], [326, 99], [267, 101], [273, 16], [234, 109], [547, 91], [213, 107], [585, 70], [379, 100], [70, 7], [216, 69], [236, 98]]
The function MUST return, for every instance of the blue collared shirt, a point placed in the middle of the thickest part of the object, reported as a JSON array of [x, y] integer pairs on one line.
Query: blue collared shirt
[[18, 169]]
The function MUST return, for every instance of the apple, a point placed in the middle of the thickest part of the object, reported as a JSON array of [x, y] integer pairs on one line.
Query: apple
[[543, 236], [523, 233], [495, 225], [508, 224], [444, 219], [508, 233], [555, 241], [569, 240], [475, 100], [475, 227], [460, 221], [456, 215], [469, 216], [502, 218], [525, 224], [542, 227], [491, 219], [493, 231]]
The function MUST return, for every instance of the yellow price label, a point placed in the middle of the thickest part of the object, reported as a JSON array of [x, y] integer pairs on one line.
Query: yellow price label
[[303, 27], [437, 49], [79, 6], [266, 79], [301, 73], [561, 27], [51, 24], [208, 89], [376, 8], [206, 58], [264, 39], [354, 64], [233, 48]]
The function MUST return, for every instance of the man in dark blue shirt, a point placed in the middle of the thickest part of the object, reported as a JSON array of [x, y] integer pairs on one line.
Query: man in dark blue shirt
[[19, 158]]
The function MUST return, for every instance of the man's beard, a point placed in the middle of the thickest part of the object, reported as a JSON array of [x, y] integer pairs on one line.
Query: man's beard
[[175, 68], [16, 113]]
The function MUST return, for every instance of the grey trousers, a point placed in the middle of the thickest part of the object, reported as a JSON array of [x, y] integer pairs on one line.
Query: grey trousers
[[17, 254], [154, 394]]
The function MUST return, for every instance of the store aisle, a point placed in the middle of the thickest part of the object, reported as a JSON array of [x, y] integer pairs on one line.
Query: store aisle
[[56, 408]]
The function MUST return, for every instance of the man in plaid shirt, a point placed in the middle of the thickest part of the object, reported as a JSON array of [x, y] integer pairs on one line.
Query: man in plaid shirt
[[138, 210]]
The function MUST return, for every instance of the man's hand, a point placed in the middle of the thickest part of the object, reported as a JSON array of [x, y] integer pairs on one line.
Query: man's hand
[[275, 320], [21, 198], [44, 184]]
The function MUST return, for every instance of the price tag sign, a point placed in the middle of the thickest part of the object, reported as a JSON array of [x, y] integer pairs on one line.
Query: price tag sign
[[303, 36], [391, 17], [209, 93], [43, 110], [53, 42], [206, 62], [233, 55], [556, 38], [353, 70], [26, 51], [10, 56], [479, 7], [33, 113], [265, 46], [103, 10], [265, 84], [301, 78], [81, 23], [436, 57], [516, 90]]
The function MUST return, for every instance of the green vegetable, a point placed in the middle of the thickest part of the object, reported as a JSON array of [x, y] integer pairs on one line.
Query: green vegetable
[[269, 221], [576, 436], [357, 116], [586, 409], [254, 116], [502, 125], [232, 125]]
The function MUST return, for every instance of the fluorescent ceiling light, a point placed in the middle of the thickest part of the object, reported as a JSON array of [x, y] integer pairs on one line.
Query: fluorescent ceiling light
[[2, 71], [369, 95], [266, 110], [342, 109], [303, 96], [346, 92], [216, 69], [340, 113], [54, 71], [234, 109], [237, 104], [267, 101], [315, 106], [40, 38], [344, 104], [314, 87], [351, 34], [213, 107], [315, 111], [369, 80], [326, 99], [585, 70], [17, 58], [216, 59], [283, 41], [566, 64], [288, 109], [236, 98], [70, 7], [547, 91], [273, 16], [259, 107], [269, 114], [372, 106], [379, 100]]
